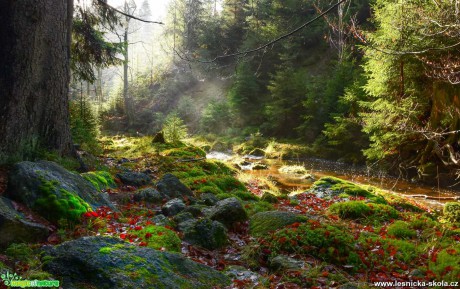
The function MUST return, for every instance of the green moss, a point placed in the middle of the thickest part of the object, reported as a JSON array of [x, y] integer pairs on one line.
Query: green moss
[[264, 222], [245, 195], [19, 252], [447, 265], [158, 237], [185, 152], [401, 230], [101, 180], [366, 212], [452, 212], [56, 204], [339, 186], [106, 250], [257, 207]]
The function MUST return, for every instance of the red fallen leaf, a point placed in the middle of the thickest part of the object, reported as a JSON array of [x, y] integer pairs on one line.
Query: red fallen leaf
[[168, 227], [325, 274], [282, 240], [131, 240], [54, 239], [94, 214], [438, 233], [434, 256], [451, 251], [327, 233], [142, 244], [87, 214], [138, 228], [160, 233], [123, 236], [148, 235]]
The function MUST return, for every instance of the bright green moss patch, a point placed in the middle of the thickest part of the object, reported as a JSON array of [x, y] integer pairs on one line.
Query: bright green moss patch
[[366, 212], [264, 222], [158, 237], [62, 204], [452, 212], [101, 180], [445, 264], [330, 243], [401, 230]]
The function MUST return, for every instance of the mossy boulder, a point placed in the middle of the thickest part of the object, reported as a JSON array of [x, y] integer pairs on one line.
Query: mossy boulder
[[170, 186], [134, 178], [452, 212], [366, 212], [157, 237], [109, 263], [101, 180], [283, 262], [173, 207], [401, 230], [269, 197], [206, 233], [54, 192], [328, 187], [228, 211], [149, 195], [15, 228], [264, 222]]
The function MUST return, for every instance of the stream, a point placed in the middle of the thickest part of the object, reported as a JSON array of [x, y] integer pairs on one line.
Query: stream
[[319, 168]]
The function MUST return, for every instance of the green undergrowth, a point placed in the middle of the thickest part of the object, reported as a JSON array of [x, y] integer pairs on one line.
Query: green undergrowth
[[364, 212], [101, 180], [157, 237], [56, 204]]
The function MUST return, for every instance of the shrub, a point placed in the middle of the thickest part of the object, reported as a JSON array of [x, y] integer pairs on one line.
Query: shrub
[[174, 128], [452, 212]]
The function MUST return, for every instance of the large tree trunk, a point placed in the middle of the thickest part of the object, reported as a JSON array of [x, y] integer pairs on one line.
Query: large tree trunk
[[34, 77]]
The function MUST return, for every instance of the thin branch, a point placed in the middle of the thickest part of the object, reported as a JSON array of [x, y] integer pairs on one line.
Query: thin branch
[[246, 52], [126, 14]]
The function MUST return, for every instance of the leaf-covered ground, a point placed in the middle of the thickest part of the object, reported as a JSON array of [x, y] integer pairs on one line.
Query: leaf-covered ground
[[351, 234]]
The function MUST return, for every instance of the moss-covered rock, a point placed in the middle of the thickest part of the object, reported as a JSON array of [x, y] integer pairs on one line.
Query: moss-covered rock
[[228, 211], [109, 263], [452, 212], [54, 192], [169, 185], [134, 178], [401, 230], [173, 207], [269, 197], [101, 180], [206, 233], [158, 237], [149, 195], [366, 212], [264, 222], [330, 187], [258, 152]]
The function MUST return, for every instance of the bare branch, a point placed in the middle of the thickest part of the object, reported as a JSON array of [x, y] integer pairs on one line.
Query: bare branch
[[101, 2]]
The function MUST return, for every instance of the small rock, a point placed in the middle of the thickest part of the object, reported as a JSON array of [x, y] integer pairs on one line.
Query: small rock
[[264, 222], [228, 212], [195, 210], [206, 233], [172, 187], [162, 220], [257, 152], [182, 217], [283, 262], [173, 207], [149, 195], [241, 273], [259, 166], [208, 199], [134, 178]]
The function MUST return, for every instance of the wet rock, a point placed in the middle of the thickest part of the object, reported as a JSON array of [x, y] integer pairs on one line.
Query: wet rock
[[257, 152], [53, 192], [173, 207], [264, 222], [206, 233], [228, 212], [14, 228], [195, 210], [172, 187], [134, 178], [109, 263], [259, 166], [149, 195], [283, 262]]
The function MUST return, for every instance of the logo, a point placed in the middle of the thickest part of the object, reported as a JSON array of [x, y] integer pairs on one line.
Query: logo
[[14, 280]]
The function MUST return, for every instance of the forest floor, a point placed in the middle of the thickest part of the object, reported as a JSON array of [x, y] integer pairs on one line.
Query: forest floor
[[336, 235]]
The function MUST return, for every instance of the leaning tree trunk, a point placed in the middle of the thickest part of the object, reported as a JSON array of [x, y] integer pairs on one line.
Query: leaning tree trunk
[[34, 77]]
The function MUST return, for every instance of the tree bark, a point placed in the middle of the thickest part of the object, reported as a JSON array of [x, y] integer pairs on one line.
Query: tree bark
[[34, 77]]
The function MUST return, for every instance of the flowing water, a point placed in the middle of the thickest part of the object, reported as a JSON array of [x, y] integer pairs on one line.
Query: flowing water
[[359, 174]]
